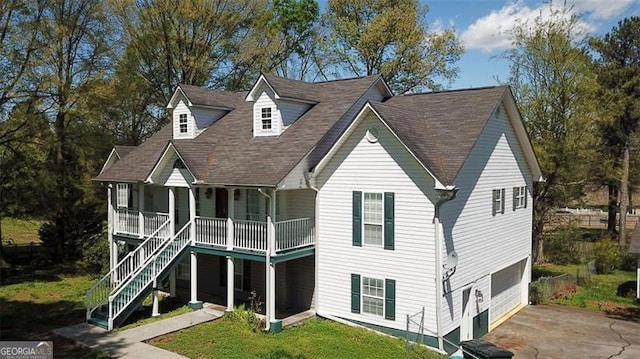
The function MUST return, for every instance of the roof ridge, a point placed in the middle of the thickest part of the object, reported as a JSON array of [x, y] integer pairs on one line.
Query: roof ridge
[[454, 90]]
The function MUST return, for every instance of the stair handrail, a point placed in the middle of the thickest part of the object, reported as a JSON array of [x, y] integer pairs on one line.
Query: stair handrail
[[110, 281], [155, 272]]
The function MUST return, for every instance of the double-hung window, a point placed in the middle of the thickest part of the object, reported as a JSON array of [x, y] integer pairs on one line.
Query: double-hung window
[[373, 218], [253, 205], [498, 201], [238, 274], [373, 296], [182, 122], [519, 197], [266, 118], [124, 195]]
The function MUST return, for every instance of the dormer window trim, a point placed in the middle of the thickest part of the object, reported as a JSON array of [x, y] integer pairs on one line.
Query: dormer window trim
[[267, 118], [183, 123]]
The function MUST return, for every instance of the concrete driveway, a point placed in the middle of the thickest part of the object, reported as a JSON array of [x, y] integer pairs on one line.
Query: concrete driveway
[[552, 331]]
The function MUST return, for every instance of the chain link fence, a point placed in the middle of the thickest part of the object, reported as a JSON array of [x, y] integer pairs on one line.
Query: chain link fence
[[549, 287]]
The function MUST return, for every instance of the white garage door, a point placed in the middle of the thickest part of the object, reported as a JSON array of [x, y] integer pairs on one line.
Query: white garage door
[[505, 291]]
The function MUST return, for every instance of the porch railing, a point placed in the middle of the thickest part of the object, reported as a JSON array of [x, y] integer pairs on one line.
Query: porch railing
[[153, 221], [295, 233], [212, 231], [250, 235], [253, 235], [126, 222]]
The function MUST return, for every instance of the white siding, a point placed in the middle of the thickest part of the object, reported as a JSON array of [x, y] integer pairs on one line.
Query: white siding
[[182, 108], [166, 175], [290, 111], [384, 166], [205, 117], [266, 99], [296, 204], [486, 244]]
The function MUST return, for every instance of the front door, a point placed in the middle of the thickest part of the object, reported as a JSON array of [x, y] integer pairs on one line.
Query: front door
[[466, 324], [182, 207], [222, 198]]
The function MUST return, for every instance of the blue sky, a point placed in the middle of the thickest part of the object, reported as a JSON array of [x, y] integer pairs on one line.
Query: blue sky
[[482, 25]]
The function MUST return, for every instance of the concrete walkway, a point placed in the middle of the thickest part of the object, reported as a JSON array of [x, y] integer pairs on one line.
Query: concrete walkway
[[129, 343]]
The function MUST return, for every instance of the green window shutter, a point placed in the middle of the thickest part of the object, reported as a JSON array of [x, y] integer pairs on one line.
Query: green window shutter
[[494, 198], [389, 229], [246, 275], [357, 218], [223, 271], [390, 299], [526, 196], [502, 201], [515, 197], [355, 293]]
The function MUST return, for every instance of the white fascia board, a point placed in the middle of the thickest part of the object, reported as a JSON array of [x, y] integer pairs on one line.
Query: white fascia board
[[359, 118], [112, 154], [251, 95], [177, 93], [521, 133], [169, 146]]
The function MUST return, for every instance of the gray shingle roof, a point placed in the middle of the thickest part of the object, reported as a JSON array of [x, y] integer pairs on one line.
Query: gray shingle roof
[[228, 153], [201, 96], [123, 150], [441, 128]]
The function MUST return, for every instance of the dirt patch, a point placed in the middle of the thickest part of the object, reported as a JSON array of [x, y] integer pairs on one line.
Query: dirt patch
[[566, 292]]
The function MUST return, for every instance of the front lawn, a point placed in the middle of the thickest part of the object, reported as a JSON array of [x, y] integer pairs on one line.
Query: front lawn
[[231, 337], [34, 301], [20, 231], [604, 292]]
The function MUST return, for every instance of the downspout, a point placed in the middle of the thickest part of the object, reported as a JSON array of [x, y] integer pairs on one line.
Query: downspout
[[444, 195]]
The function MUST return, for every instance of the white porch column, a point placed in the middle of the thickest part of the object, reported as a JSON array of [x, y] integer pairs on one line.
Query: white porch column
[[230, 215], [194, 303], [113, 248], [172, 211], [155, 309], [230, 283], [272, 323], [192, 213], [172, 283], [141, 210]]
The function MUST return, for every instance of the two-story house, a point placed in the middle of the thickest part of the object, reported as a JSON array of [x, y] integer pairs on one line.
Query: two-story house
[[334, 196]]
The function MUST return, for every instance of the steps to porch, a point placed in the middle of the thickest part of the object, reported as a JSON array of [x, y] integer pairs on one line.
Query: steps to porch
[[122, 290]]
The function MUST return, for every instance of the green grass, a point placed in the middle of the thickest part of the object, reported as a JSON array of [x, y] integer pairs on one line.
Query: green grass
[[20, 231], [168, 307], [33, 301], [600, 293], [231, 337]]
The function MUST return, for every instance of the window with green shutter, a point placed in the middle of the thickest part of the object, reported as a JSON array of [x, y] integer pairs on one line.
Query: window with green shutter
[[390, 299], [355, 293], [373, 219]]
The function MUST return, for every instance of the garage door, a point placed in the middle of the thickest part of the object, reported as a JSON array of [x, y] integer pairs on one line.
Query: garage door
[[505, 291]]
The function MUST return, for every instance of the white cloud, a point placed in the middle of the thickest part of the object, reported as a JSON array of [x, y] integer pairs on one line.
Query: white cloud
[[599, 9], [493, 32]]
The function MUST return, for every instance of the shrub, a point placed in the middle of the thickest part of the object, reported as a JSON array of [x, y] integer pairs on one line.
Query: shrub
[[95, 254], [560, 246], [536, 293], [607, 256], [247, 317]]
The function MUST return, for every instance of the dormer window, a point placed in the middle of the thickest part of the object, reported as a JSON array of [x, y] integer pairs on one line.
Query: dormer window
[[266, 118], [183, 123], [178, 164]]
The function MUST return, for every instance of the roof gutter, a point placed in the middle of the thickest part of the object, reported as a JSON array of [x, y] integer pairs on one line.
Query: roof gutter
[[447, 194]]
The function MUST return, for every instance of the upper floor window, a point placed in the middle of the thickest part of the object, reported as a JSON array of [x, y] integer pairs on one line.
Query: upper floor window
[[266, 118], [372, 218], [519, 197], [498, 201], [124, 195], [183, 122], [179, 164]]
